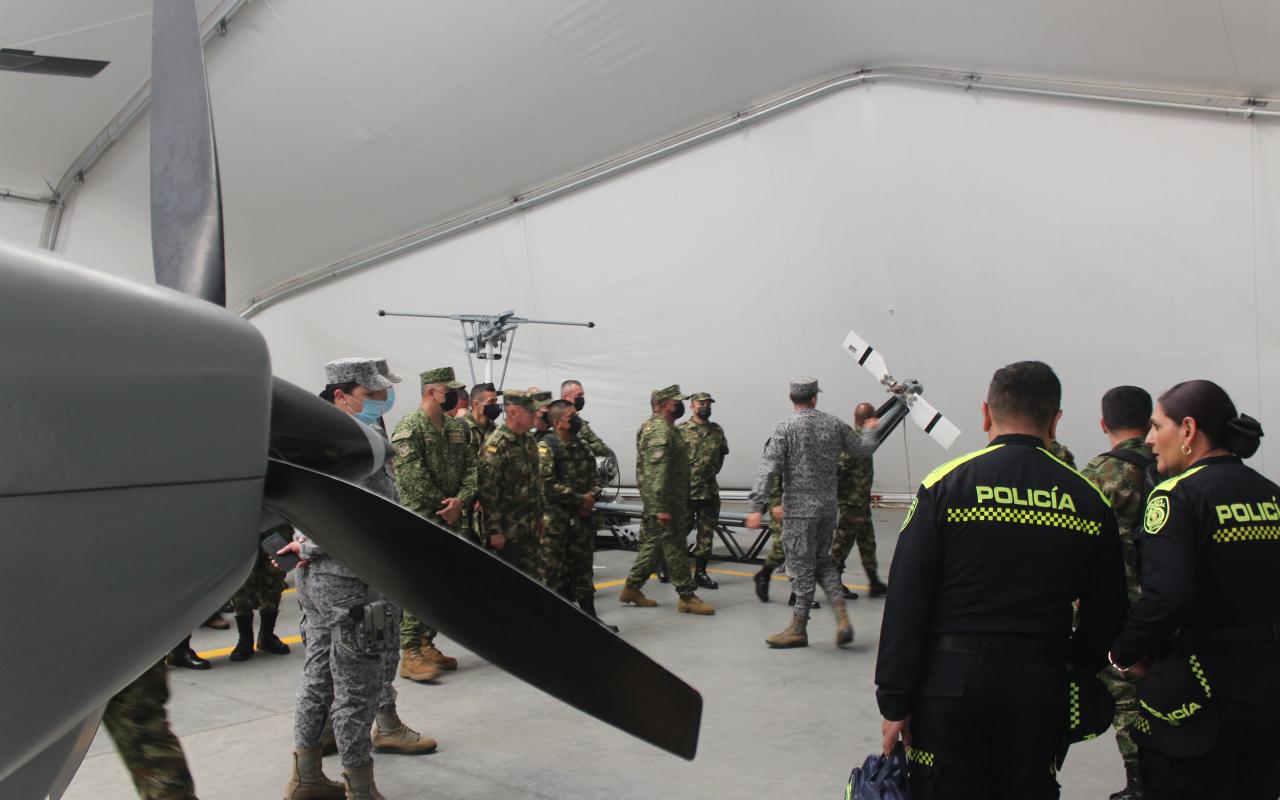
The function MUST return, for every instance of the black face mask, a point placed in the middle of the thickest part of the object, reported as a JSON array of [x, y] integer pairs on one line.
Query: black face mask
[[579, 402], [450, 401], [575, 425], [703, 413], [679, 409], [491, 411]]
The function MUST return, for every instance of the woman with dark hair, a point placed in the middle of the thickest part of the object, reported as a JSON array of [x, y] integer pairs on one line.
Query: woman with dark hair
[[1205, 635]]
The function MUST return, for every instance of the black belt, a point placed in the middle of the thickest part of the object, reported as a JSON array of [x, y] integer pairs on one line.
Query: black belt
[[973, 644], [1257, 633]]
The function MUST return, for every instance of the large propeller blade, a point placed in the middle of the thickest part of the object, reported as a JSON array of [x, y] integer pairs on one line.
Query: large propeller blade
[[309, 432], [516, 623], [938, 427], [186, 199], [13, 60]]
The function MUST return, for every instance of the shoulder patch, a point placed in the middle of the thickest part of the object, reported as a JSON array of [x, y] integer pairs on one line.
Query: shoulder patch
[[1157, 514], [402, 449], [543, 447], [942, 471], [491, 448]]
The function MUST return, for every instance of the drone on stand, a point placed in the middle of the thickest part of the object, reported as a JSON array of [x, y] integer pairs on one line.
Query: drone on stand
[[486, 336]]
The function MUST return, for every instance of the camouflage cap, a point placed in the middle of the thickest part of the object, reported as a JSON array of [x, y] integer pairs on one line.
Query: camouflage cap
[[355, 370], [702, 396], [440, 375], [541, 399], [671, 392], [804, 384], [385, 371], [516, 397]]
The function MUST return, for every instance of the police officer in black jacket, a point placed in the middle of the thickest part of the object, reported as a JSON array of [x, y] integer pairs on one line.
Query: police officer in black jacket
[[1209, 615], [976, 637]]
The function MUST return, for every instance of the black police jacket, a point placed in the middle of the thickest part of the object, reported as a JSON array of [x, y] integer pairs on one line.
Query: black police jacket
[[1208, 557], [1000, 541]]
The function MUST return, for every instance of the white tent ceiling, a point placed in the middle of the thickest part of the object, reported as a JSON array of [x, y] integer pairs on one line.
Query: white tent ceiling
[[343, 126]]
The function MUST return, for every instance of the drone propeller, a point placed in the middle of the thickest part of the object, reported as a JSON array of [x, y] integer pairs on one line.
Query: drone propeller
[[12, 60], [936, 426]]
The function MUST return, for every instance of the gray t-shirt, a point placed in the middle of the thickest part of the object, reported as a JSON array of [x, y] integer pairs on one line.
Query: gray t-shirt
[[804, 449]]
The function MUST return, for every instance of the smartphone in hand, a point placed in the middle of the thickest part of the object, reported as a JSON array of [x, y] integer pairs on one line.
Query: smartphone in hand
[[272, 545]]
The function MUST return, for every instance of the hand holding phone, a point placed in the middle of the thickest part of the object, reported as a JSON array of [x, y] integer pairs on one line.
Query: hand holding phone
[[272, 545]]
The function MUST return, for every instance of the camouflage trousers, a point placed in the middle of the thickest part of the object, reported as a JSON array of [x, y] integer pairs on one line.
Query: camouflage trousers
[[1125, 693], [136, 720], [855, 526], [261, 590], [661, 541], [565, 555], [777, 557], [705, 516], [807, 544], [339, 684]]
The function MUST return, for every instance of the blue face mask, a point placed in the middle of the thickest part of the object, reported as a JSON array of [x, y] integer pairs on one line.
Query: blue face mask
[[374, 409]]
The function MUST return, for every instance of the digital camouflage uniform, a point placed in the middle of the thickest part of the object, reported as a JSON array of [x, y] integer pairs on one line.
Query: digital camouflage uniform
[[707, 449], [854, 475], [477, 433], [136, 720], [262, 589], [431, 465], [662, 472], [1123, 484], [511, 493], [568, 541]]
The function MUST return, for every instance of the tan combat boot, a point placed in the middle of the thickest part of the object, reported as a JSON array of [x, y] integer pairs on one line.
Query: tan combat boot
[[431, 653], [417, 668], [360, 785], [844, 628], [308, 781], [391, 735], [692, 604], [636, 598], [795, 635]]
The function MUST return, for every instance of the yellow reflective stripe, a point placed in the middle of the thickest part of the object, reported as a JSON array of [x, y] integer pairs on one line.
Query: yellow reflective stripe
[[1091, 484], [922, 757], [1199, 673], [1024, 516], [1073, 706], [1257, 533], [941, 472], [1166, 486]]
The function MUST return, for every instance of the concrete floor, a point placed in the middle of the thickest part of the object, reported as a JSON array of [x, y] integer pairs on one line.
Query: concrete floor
[[784, 723]]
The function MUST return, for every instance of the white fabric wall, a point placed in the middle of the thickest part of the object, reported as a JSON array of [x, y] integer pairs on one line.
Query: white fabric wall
[[956, 232], [21, 222]]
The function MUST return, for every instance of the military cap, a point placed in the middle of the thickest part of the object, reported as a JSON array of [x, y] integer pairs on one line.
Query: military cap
[[804, 384], [541, 399], [355, 370], [671, 392], [385, 371], [702, 396], [440, 375], [1177, 713], [516, 397]]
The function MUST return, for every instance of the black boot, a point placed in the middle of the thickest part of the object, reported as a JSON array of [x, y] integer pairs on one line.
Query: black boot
[[267, 639], [701, 577], [847, 593], [878, 588], [791, 601], [183, 656], [1133, 789], [663, 577], [588, 606], [243, 651], [762, 579]]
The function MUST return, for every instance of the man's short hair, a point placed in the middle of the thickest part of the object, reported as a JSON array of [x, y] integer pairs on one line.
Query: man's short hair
[[557, 409], [564, 387], [1127, 408], [802, 398], [1026, 391], [863, 412], [479, 389]]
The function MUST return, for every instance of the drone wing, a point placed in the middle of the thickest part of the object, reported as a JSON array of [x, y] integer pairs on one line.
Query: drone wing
[[866, 356], [931, 421], [936, 426]]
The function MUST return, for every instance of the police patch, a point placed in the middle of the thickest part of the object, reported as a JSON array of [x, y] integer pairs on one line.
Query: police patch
[[910, 513], [1157, 514]]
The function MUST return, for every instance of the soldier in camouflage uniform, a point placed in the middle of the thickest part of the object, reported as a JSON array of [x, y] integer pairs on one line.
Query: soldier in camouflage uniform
[[436, 475], [1061, 452], [854, 475], [136, 720], [776, 557], [707, 449], [261, 591], [662, 471], [570, 484], [510, 481], [571, 391], [481, 421], [1119, 475]]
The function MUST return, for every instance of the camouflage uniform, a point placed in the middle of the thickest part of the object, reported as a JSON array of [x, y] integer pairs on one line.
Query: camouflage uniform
[[568, 473], [707, 449], [477, 433], [265, 584], [662, 471], [1122, 483], [853, 502], [776, 557], [136, 719], [431, 465], [511, 491], [594, 443], [1060, 452]]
